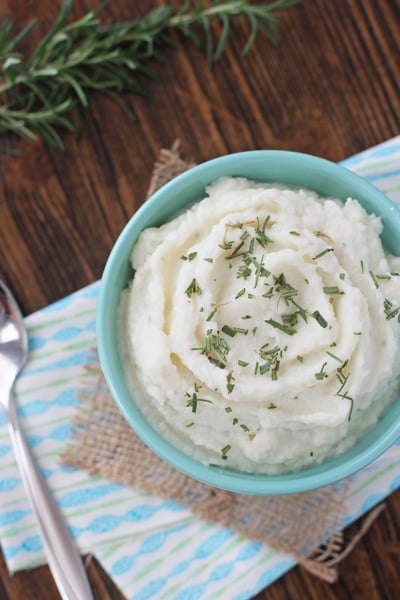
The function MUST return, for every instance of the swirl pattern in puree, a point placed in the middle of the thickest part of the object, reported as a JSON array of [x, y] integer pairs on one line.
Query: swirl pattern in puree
[[261, 327]]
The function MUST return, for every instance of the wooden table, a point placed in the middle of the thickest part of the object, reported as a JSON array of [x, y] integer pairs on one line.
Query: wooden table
[[329, 89]]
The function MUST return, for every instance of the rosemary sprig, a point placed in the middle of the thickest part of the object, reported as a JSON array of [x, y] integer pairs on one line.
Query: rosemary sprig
[[39, 93]]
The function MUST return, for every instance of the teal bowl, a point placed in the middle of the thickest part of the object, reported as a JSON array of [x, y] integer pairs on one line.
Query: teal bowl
[[322, 176]]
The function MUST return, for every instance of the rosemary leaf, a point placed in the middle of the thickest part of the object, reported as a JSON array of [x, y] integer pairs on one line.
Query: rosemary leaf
[[39, 93]]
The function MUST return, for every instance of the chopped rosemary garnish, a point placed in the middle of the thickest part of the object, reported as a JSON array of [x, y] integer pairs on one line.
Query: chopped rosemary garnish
[[211, 314], [243, 271], [232, 331], [239, 294], [228, 409], [319, 318], [322, 253], [229, 382], [391, 311], [193, 398], [296, 233], [300, 358], [342, 276], [271, 406], [229, 330], [244, 427], [290, 319], [193, 288], [362, 266], [236, 252], [372, 275], [225, 451], [210, 260], [321, 373], [281, 326], [343, 378], [261, 236], [334, 356], [286, 291], [216, 348], [273, 357], [384, 276], [331, 289], [264, 368], [191, 256], [243, 363], [226, 245]]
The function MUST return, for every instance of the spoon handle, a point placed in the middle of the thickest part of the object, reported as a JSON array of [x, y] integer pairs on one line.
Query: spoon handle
[[62, 555]]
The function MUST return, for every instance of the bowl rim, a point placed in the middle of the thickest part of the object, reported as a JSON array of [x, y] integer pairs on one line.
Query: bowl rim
[[240, 482]]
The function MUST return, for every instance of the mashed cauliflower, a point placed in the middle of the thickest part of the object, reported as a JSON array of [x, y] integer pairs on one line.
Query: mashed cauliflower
[[261, 327]]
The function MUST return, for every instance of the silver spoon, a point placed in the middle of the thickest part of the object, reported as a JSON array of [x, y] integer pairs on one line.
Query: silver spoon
[[62, 554]]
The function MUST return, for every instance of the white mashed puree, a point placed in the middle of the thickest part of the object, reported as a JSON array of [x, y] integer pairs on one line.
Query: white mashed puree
[[261, 328]]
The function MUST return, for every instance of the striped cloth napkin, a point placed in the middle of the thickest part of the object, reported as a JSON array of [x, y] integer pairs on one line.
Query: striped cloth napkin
[[152, 548]]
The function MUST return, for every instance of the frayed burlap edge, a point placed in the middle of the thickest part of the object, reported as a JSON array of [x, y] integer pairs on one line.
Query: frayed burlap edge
[[308, 526]]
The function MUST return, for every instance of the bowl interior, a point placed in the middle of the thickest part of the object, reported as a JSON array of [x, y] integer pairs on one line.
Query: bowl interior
[[327, 179]]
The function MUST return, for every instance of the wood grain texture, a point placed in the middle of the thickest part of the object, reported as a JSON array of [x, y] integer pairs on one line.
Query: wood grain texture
[[331, 88]]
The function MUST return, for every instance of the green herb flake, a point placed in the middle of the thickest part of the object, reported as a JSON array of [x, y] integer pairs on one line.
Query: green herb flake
[[191, 256], [229, 330], [193, 398], [243, 363], [211, 314], [334, 356], [391, 311], [264, 368], [225, 451], [271, 406], [321, 373], [229, 382], [193, 288], [239, 294], [322, 253], [331, 289], [319, 318], [296, 233], [375, 282], [281, 326]]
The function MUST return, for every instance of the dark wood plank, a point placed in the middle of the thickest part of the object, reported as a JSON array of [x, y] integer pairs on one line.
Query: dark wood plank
[[330, 88]]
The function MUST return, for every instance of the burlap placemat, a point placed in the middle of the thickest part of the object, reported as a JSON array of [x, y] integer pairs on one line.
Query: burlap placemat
[[308, 526]]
